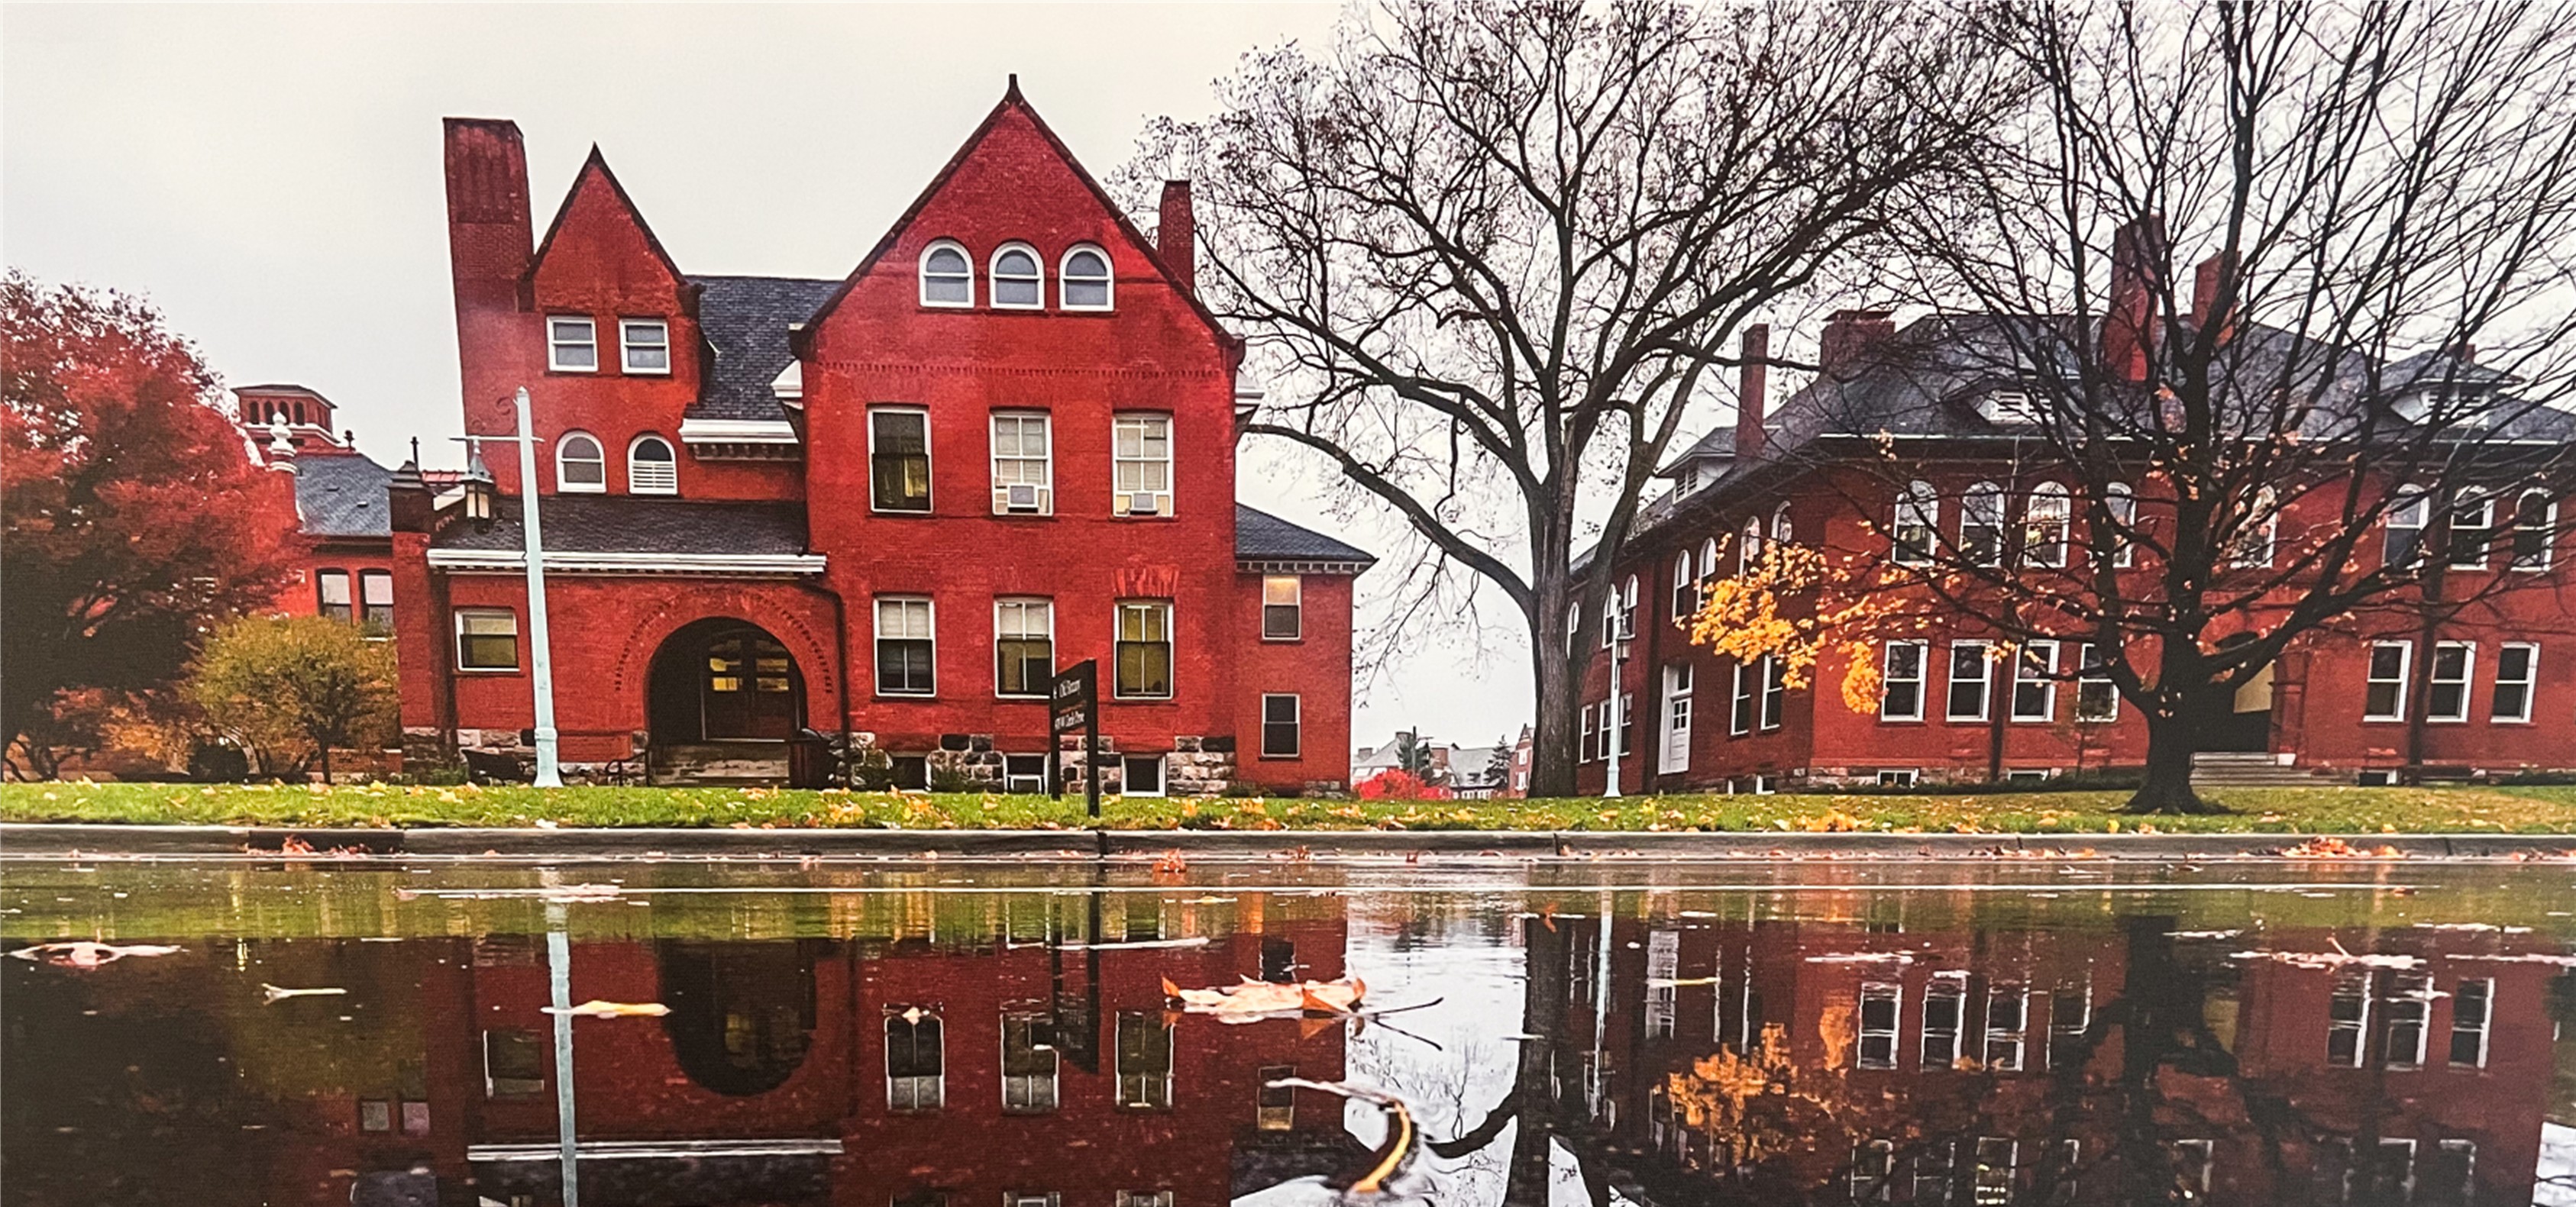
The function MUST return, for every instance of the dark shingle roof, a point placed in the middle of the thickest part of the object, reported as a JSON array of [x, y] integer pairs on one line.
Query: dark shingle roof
[[623, 524], [342, 495], [1260, 535], [746, 319], [1719, 442]]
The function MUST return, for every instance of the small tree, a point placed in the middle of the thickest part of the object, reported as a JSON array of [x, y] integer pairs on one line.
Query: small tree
[[291, 690]]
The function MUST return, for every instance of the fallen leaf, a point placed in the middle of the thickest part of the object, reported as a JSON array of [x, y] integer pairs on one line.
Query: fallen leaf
[[84, 954], [596, 1008], [271, 994]]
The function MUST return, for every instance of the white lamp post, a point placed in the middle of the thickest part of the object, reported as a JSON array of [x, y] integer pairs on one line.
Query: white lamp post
[[1618, 723], [532, 545]]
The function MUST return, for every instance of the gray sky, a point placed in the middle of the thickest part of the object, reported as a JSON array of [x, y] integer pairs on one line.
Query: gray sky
[[270, 176]]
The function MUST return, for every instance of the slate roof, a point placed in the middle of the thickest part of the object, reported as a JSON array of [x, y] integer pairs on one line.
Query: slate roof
[[625, 524], [1259, 535], [746, 320], [342, 495], [1719, 442]]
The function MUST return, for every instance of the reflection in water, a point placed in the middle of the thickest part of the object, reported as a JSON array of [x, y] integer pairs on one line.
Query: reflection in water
[[887, 1047]]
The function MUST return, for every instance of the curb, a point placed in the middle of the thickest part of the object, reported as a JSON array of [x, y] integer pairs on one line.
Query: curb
[[24, 840]]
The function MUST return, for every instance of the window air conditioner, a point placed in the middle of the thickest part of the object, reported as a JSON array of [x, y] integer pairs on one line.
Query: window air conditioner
[[1144, 502], [1021, 498]]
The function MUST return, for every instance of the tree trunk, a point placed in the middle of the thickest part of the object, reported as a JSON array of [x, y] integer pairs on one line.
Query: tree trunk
[[325, 748], [2167, 786], [1552, 742]]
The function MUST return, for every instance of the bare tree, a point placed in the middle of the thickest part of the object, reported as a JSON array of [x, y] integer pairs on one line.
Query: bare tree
[[2261, 333], [1489, 251]]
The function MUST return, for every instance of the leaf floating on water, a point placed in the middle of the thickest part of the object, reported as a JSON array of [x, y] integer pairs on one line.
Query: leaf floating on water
[[271, 994], [1253, 1000], [596, 1008], [579, 892], [84, 954]]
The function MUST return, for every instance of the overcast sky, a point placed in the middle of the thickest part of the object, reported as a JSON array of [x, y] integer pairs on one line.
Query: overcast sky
[[270, 176]]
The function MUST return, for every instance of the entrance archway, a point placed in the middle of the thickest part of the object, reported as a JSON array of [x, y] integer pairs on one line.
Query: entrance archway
[[722, 691], [742, 1014]]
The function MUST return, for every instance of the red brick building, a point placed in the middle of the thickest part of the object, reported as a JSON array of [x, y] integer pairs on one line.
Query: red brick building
[[337, 501], [884, 505], [2494, 694]]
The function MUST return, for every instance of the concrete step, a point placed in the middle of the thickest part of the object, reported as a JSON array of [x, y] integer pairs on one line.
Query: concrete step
[[2253, 769], [719, 764]]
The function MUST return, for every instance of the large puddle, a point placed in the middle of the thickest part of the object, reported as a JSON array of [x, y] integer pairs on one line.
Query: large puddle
[[1006, 1035]]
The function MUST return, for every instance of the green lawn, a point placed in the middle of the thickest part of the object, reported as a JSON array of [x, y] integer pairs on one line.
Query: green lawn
[[2270, 810]]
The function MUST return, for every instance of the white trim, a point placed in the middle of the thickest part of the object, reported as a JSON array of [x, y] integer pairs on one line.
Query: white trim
[[2046, 679], [656, 488], [1109, 281], [1049, 604], [738, 431], [1918, 506], [456, 642], [1045, 485], [627, 348], [2548, 534], [497, 561], [788, 386], [1985, 689], [628, 1150], [1922, 679], [2404, 680], [2121, 500], [2468, 679], [876, 649], [921, 274], [599, 487], [2060, 519], [1121, 500], [2083, 662], [2483, 507], [554, 363], [993, 276], [1162, 775], [2530, 684], [930, 503], [1170, 643], [1296, 721], [1297, 588]]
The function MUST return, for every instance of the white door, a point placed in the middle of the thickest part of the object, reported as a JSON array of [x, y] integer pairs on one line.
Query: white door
[[1677, 719]]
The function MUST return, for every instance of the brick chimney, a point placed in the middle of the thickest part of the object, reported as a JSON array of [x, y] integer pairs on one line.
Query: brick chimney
[[488, 230], [1851, 339], [1176, 235], [2137, 282], [2214, 272], [1751, 377]]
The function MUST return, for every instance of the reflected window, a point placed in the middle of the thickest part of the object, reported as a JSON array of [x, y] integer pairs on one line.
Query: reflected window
[[1144, 1198], [1995, 1156], [1944, 1000], [2070, 1015], [2472, 1008], [1276, 1106], [2347, 1013], [2409, 1009], [514, 1064], [1932, 1172], [1028, 1065], [1873, 1169], [2007, 1017], [1663, 967], [916, 1062], [1878, 1010], [1144, 1061], [742, 1014]]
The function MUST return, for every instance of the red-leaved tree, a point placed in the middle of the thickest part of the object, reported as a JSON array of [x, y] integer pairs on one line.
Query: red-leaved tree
[[129, 517]]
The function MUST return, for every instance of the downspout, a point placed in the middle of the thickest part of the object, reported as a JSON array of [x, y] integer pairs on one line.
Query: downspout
[[443, 641], [841, 667]]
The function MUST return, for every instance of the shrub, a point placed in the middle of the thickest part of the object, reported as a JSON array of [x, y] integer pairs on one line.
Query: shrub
[[1399, 784], [287, 691]]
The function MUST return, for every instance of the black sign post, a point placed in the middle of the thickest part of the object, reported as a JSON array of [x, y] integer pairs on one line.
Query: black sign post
[[1073, 703]]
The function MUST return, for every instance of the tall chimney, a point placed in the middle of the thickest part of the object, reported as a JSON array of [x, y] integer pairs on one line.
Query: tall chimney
[[1851, 339], [2137, 281], [488, 230], [1751, 376], [1176, 235], [2214, 273]]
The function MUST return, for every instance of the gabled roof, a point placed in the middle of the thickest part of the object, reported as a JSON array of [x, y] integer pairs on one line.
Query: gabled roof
[[1718, 443], [1261, 536], [626, 524], [342, 496], [747, 321], [1012, 100], [598, 164]]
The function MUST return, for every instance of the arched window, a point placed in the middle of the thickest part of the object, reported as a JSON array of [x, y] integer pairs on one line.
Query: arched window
[[1628, 608], [2122, 503], [1782, 532], [947, 275], [1084, 278], [2261, 530], [1748, 552], [1018, 282], [580, 468], [1918, 525], [1708, 558], [2044, 522], [1573, 624], [1981, 524], [1685, 586], [650, 467], [2535, 529]]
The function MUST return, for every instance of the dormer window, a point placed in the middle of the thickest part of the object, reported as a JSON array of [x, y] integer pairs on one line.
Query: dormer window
[[651, 469], [1018, 282], [1085, 279], [572, 345], [2007, 406], [647, 345], [947, 276]]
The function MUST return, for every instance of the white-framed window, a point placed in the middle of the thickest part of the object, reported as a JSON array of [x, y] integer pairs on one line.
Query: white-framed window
[[1583, 746], [2535, 531], [1708, 559], [1981, 524], [1140, 775], [1023, 647], [2070, 1016], [1627, 726], [2403, 532], [644, 346], [1144, 670], [947, 275], [2035, 682], [916, 1061], [2517, 670], [1775, 692], [1677, 718], [1783, 530], [572, 344], [2348, 1019], [2046, 516], [1023, 463], [1018, 282], [899, 459], [1026, 773], [906, 646], [1935, 1173], [1917, 534], [1141, 464], [1143, 1198], [2097, 696], [1900, 681], [2260, 538], [2122, 502], [1663, 967], [332, 598], [1084, 279], [1945, 1008], [2472, 1010], [1029, 1065], [1873, 1171], [2409, 1013], [2450, 1174], [1282, 736], [651, 467], [1899, 777], [1880, 1004], [1970, 677], [1283, 608], [1685, 587], [1628, 608], [376, 601], [487, 640], [581, 466], [2472, 528], [2384, 694], [1144, 1055], [2007, 1020], [2446, 693], [1748, 547], [1991, 1183], [1748, 687]]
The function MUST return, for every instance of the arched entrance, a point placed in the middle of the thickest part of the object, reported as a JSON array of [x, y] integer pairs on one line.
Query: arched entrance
[[723, 699], [742, 1014]]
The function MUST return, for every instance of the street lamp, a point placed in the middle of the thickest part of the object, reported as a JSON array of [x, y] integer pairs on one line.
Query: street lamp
[[532, 547], [1618, 723], [479, 490]]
